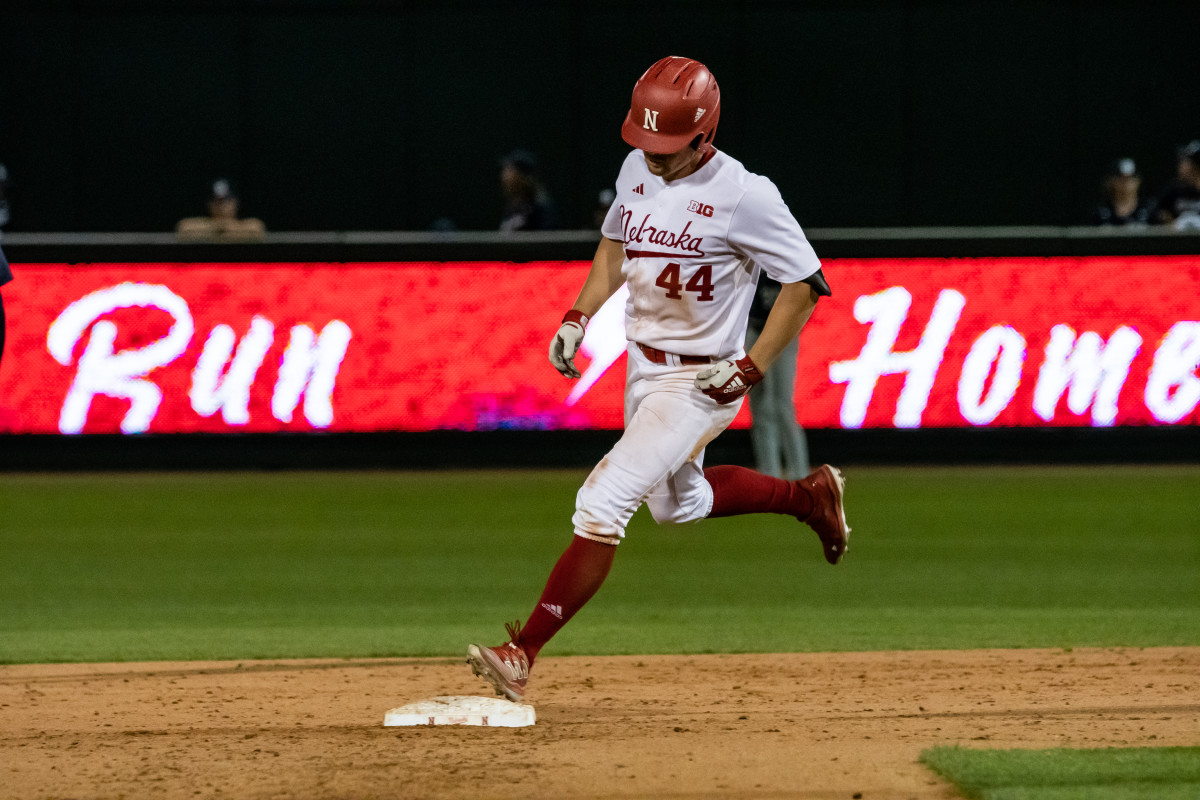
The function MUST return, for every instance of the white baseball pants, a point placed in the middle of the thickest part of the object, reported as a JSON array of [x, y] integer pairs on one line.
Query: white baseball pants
[[659, 459]]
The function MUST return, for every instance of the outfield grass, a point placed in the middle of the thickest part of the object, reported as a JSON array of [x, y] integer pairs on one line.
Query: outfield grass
[[1160, 773], [181, 566]]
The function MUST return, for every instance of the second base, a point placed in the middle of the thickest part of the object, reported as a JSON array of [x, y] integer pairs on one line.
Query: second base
[[491, 712]]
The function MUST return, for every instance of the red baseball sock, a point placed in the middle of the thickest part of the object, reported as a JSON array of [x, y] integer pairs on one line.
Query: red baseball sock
[[574, 579], [737, 490]]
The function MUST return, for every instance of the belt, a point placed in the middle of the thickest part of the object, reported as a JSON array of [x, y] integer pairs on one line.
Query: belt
[[662, 357]]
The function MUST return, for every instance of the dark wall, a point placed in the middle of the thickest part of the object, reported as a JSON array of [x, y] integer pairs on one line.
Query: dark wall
[[352, 115]]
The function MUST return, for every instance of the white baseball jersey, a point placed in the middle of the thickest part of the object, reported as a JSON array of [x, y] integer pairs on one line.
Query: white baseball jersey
[[693, 251]]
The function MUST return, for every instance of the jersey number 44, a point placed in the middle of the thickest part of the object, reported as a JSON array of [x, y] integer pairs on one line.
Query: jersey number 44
[[700, 283]]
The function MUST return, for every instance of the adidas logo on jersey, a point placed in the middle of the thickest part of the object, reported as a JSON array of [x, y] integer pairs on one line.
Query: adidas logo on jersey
[[556, 610], [639, 189]]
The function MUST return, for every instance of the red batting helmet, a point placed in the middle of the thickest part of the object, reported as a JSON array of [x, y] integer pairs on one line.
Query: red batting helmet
[[675, 102]]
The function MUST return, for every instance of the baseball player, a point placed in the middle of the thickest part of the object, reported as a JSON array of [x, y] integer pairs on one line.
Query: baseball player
[[690, 231]]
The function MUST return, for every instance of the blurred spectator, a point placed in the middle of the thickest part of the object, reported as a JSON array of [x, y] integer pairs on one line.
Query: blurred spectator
[[780, 446], [603, 202], [1122, 199], [5, 272], [527, 204], [1179, 204], [5, 277], [222, 222], [3, 197]]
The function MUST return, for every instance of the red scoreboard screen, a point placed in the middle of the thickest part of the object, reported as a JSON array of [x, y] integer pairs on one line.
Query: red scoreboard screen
[[419, 346]]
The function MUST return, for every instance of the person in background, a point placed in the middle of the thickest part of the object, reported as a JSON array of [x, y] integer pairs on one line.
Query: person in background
[[1179, 204], [1122, 201], [5, 272], [5, 277], [780, 446], [222, 222], [604, 200], [3, 197], [527, 204]]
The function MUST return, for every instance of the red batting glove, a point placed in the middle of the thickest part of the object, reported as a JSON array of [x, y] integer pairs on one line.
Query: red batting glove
[[729, 380]]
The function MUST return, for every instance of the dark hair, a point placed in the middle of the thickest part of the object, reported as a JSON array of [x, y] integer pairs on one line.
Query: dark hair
[[521, 160], [1191, 151]]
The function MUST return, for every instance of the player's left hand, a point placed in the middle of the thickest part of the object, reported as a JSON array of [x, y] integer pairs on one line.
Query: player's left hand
[[729, 379]]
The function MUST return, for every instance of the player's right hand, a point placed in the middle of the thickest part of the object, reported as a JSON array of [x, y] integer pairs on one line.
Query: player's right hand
[[566, 343]]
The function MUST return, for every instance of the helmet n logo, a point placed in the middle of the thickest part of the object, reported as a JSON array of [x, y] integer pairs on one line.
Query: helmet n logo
[[651, 121]]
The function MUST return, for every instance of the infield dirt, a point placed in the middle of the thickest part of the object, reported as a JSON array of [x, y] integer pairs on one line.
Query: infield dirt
[[826, 725]]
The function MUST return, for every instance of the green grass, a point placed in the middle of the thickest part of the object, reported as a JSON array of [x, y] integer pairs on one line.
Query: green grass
[[1162, 773], [172, 566]]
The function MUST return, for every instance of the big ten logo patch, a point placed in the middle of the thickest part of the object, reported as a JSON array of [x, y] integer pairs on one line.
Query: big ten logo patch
[[700, 208]]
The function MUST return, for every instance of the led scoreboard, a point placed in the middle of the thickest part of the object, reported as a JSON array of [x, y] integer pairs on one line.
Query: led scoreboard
[[421, 346]]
